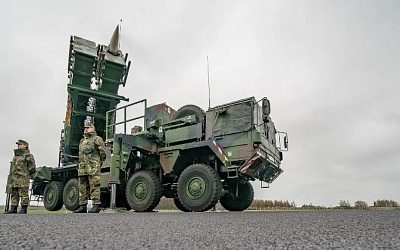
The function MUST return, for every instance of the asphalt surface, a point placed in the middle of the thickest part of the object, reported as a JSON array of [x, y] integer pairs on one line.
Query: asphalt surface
[[209, 230]]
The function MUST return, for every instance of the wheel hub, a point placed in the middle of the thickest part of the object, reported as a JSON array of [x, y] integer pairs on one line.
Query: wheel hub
[[72, 194], [140, 190], [50, 195], [196, 188]]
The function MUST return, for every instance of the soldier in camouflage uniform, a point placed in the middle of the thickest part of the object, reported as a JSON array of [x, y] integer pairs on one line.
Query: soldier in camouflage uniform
[[22, 167], [91, 156]]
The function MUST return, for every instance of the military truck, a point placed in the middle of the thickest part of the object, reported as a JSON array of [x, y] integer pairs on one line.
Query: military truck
[[197, 158]]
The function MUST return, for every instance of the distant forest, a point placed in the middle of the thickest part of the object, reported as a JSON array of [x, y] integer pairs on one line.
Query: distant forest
[[168, 204]]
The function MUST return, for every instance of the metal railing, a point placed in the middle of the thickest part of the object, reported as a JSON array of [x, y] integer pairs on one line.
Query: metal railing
[[111, 117]]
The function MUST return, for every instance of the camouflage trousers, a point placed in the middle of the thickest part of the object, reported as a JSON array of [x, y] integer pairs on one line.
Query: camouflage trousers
[[17, 193], [89, 185]]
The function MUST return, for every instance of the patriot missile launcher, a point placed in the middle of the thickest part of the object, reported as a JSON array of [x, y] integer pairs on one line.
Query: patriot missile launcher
[[195, 157], [95, 74]]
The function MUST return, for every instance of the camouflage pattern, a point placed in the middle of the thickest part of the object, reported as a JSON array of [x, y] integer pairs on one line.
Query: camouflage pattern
[[21, 142], [236, 139], [239, 135], [170, 160], [91, 155], [159, 112], [88, 125], [89, 185], [148, 140], [122, 147], [43, 173], [21, 168], [247, 136], [17, 193], [89, 63]]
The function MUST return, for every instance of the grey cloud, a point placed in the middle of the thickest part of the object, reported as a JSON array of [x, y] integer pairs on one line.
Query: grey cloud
[[330, 69]]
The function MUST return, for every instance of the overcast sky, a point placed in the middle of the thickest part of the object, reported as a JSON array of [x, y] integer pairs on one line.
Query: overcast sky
[[330, 69]]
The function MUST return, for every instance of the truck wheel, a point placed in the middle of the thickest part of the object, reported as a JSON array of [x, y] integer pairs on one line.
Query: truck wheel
[[191, 110], [52, 196], [199, 188], [243, 201], [71, 194], [179, 205], [143, 191]]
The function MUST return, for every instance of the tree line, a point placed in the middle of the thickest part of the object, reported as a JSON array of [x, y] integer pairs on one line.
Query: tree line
[[168, 204], [364, 205]]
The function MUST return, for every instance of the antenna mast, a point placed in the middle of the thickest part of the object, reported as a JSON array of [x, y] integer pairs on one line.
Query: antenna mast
[[208, 81]]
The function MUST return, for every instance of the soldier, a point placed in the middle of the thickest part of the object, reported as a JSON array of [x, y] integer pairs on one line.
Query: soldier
[[91, 156], [22, 166]]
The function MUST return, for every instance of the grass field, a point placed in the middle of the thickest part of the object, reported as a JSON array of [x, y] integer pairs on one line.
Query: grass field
[[42, 210]]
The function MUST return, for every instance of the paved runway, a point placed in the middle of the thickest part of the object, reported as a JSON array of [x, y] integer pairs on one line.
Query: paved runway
[[211, 230]]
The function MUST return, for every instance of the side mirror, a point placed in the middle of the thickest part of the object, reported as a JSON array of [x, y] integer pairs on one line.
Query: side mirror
[[286, 142], [266, 107], [282, 141]]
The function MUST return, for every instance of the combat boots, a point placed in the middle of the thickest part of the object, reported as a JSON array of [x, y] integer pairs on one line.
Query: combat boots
[[23, 209], [13, 210], [81, 209], [95, 209]]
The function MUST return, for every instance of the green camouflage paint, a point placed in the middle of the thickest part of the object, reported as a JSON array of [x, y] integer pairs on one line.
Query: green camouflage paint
[[95, 75], [236, 139]]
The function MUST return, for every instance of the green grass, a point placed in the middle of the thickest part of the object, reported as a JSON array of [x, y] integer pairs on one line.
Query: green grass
[[42, 210]]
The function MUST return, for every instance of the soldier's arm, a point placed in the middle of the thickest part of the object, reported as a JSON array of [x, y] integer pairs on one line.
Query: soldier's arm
[[30, 162], [80, 155], [101, 148]]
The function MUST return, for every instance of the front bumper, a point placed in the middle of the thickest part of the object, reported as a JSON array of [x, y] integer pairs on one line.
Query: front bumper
[[261, 167]]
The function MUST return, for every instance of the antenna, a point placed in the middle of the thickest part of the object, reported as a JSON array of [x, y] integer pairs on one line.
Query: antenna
[[208, 81]]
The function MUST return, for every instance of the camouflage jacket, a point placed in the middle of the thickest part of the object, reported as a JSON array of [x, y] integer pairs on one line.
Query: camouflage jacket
[[22, 166], [91, 155]]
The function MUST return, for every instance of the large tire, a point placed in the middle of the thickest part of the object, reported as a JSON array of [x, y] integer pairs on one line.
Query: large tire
[[52, 197], [244, 199], [179, 205], [199, 188], [143, 191], [71, 194], [191, 110]]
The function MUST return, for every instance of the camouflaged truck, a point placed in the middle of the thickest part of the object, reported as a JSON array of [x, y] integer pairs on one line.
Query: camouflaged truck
[[197, 158]]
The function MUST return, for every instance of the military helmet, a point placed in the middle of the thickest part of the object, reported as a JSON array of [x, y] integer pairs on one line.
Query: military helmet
[[88, 125], [20, 142]]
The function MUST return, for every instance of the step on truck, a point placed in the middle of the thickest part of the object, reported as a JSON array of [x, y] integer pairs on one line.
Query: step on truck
[[195, 157]]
